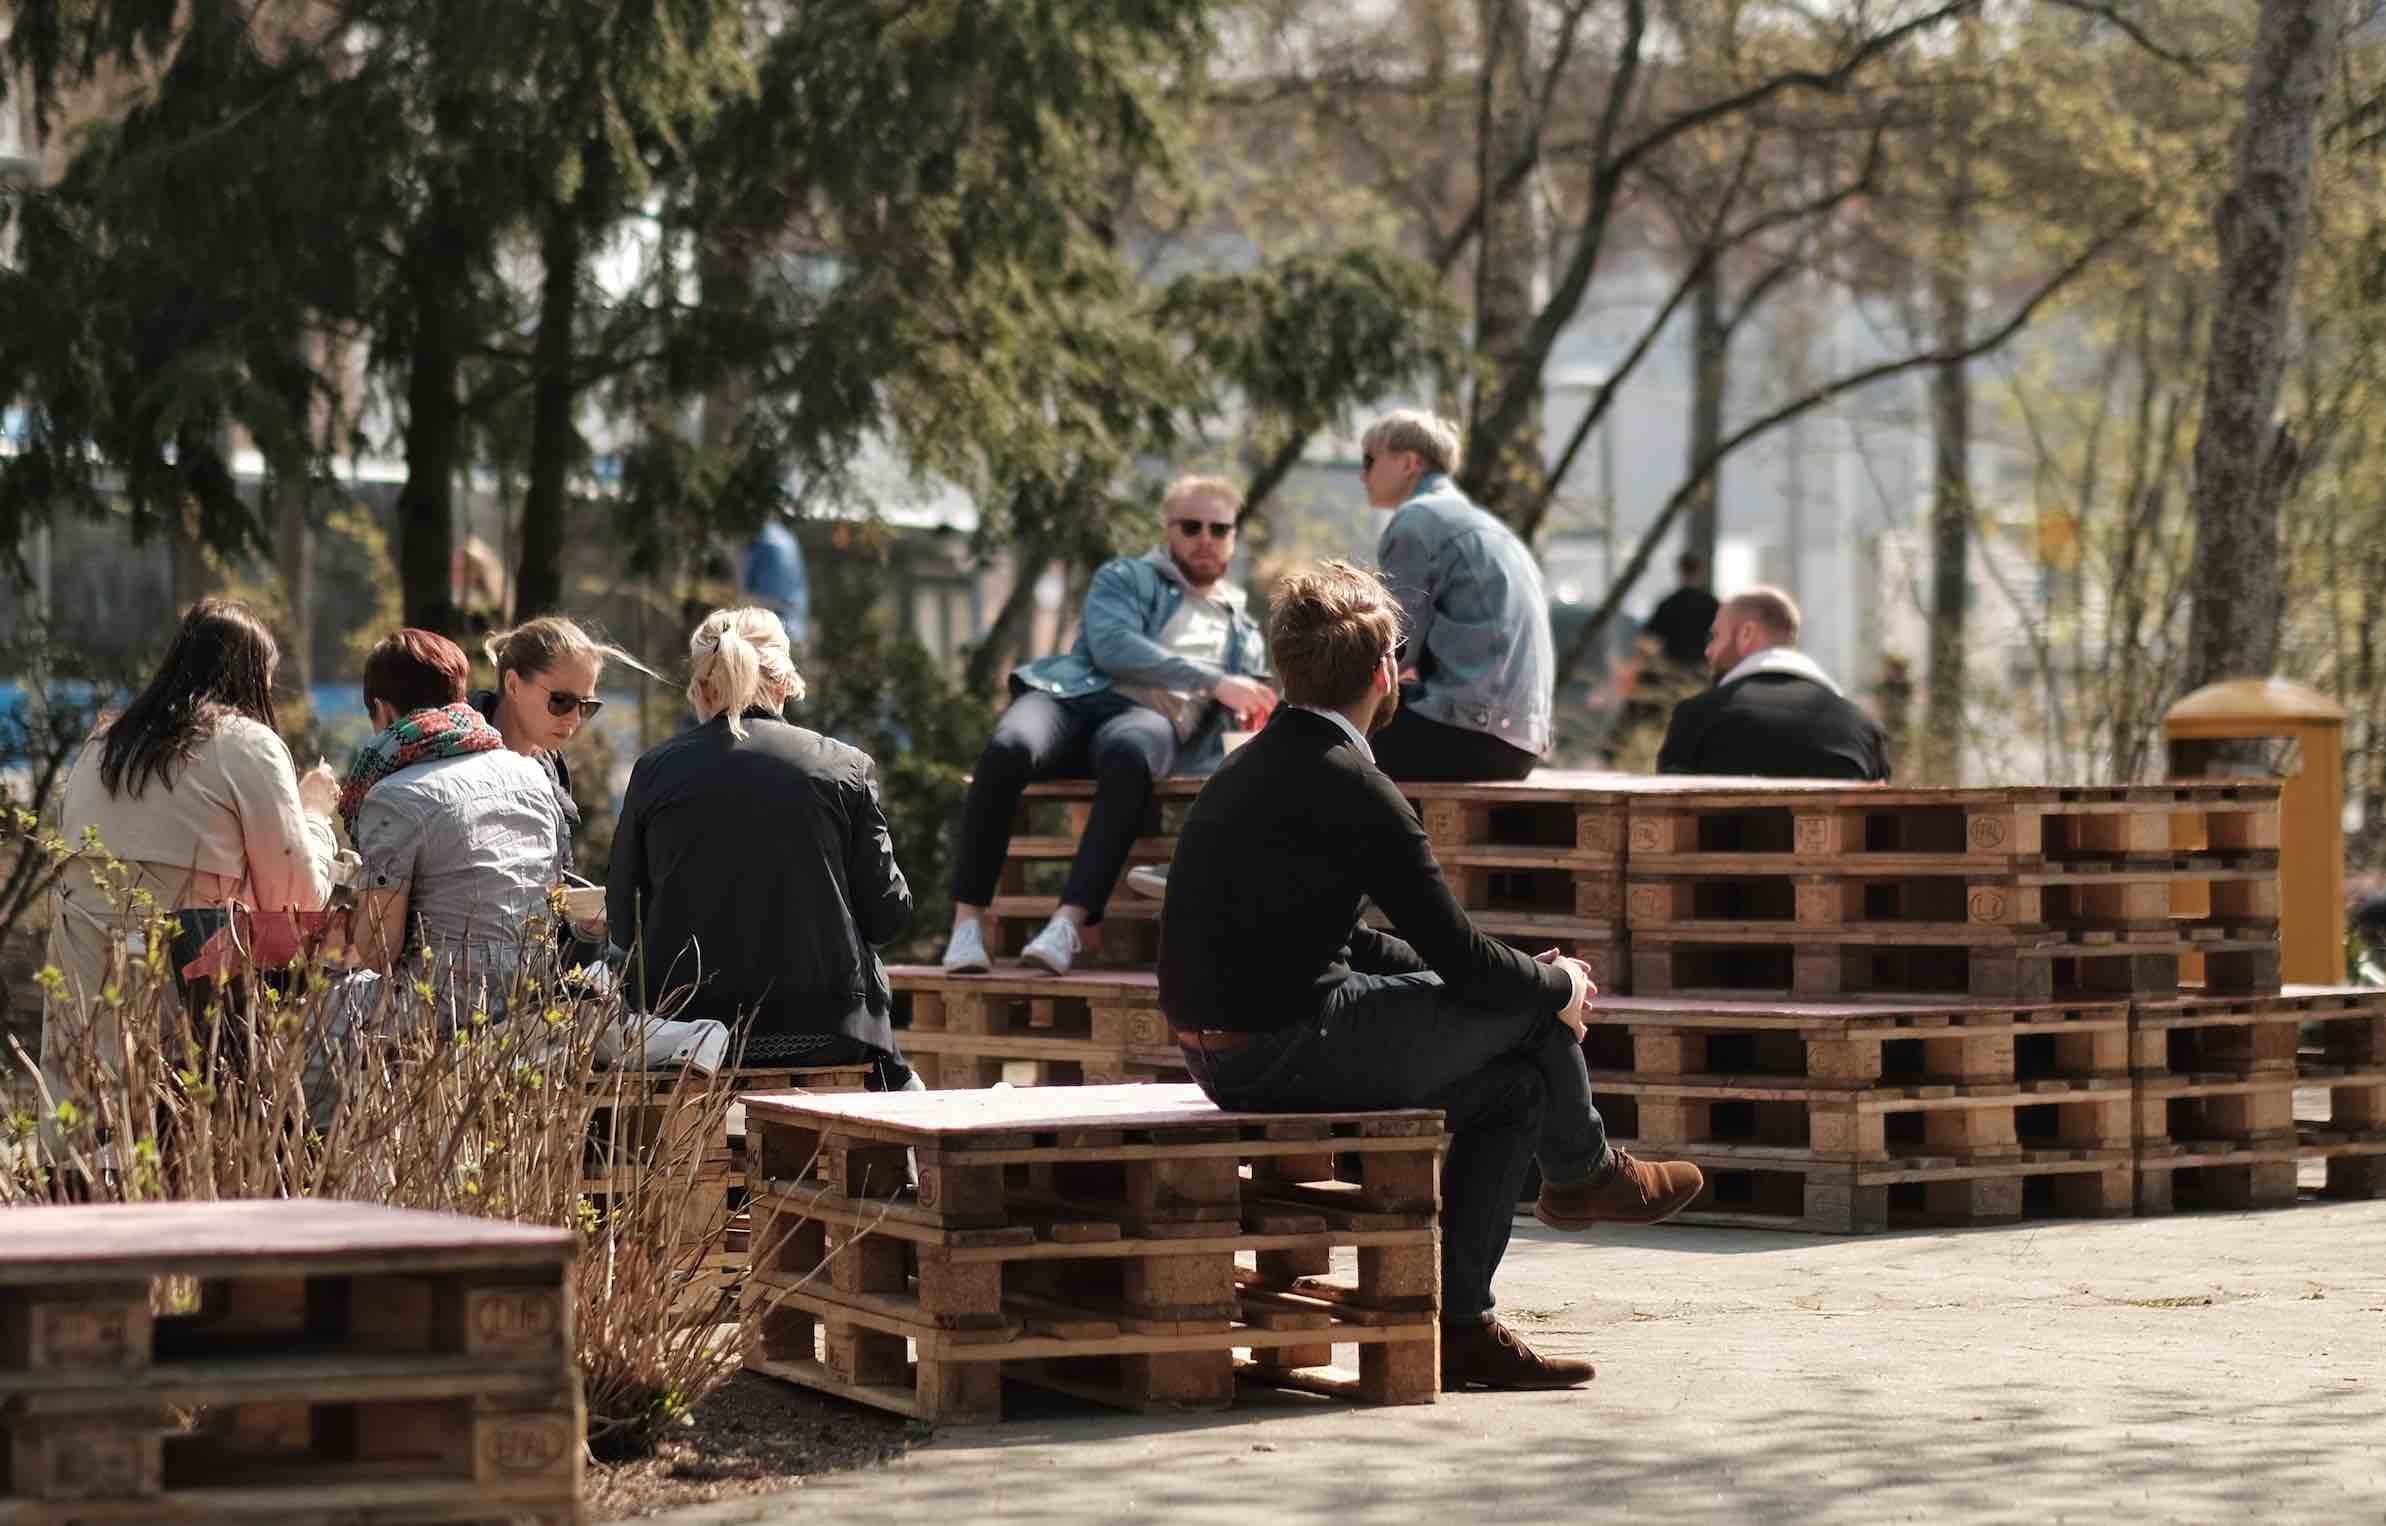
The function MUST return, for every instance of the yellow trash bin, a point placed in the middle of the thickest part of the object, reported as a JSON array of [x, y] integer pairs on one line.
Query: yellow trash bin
[[2305, 730]]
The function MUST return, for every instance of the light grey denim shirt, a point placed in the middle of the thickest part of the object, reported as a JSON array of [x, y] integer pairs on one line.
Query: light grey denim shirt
[[1127, 607], [1478, 617], [476, 842]]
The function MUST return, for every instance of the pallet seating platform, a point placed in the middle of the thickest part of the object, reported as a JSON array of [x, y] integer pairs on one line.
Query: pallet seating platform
[[333, 1361], [2236, 1094], [2011, 965], [646, 1118], [1933, 830], [1095, 1027], [1844, 1116], [1122, 1243]]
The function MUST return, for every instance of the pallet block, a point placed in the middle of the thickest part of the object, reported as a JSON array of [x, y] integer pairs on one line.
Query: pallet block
[[1757, 961], [346, 1361], [1100, 1240]]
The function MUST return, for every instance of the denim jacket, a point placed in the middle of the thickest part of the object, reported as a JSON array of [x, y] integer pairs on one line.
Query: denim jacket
[[1126, 609], [1478, 619]]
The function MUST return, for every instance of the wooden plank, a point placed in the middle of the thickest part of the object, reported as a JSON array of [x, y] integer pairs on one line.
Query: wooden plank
[[948, 1118], [340, 1379], [300, 1237], [376, 1503]]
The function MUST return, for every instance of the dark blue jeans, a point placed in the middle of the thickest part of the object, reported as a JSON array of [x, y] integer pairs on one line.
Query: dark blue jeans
[[1511, 1087], [1121, 745]]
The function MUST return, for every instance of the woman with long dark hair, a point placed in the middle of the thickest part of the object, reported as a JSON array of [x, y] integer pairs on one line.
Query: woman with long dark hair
[[193, 792]]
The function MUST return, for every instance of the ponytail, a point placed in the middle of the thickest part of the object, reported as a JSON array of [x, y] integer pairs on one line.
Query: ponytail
[[740, 658]]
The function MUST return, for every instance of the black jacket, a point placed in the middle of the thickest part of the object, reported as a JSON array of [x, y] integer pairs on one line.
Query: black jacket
[[760, 872], [1774, 726], [1262, 917]]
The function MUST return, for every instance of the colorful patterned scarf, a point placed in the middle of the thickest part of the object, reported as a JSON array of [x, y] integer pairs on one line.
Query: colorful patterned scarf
[[421, 736]]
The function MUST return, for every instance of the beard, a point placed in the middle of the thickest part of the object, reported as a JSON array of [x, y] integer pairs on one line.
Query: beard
[[1385, 709]]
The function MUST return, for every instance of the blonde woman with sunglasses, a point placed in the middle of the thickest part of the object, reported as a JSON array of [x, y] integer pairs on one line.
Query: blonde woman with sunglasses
[[548, 670]]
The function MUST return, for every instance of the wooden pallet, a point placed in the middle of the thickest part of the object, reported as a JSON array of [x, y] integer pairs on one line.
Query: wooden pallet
[[2237, 900], [1094, 1028], [343, 1361], [1757, 960], [1759, 1187], [1923, 831], [1100, 1240]]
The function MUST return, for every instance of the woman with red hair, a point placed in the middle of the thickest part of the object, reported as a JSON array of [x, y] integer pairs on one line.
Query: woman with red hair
[[461, 837]]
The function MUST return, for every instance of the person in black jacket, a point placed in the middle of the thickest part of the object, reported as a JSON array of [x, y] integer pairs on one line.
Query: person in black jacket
[[754, 869], [1683, 619], [1773, 713], [1284, 1000]]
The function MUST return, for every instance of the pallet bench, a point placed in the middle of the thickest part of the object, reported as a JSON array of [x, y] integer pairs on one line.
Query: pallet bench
[[1089, 1027], [1775, 960], [2237, 1094], [1846, 1116], [649, 1120], [345, 1362], [1121, 1243]]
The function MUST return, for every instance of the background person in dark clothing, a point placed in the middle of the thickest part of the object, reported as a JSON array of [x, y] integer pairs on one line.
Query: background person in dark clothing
[[753, 865], [1773, 713], [1684, 619], [1283, 1000]]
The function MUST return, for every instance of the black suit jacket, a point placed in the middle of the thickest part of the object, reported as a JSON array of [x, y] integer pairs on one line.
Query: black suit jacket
[[1262, 923], [761, 872], [1774, 726]]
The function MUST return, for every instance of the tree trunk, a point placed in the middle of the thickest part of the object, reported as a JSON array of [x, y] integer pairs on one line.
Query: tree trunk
[[295, 534], [436, 277], [2242, 457], [1710, 375], [1505, 479], [1951, 487], [1012, 622], [554, 440]]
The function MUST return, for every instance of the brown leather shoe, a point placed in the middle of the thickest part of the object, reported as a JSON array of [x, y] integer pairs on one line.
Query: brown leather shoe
[[1489, 1355], [1635, 1192]]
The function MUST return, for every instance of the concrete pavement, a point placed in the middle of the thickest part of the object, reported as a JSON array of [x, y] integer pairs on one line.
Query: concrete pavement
[[2198, 1368]]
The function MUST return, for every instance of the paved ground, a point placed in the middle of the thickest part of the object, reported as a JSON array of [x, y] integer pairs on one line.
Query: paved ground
[[2199, 1368]]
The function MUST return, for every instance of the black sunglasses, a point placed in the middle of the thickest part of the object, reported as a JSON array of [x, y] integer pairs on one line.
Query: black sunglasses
[[1191, 528], [1366, 463], [562, 702]]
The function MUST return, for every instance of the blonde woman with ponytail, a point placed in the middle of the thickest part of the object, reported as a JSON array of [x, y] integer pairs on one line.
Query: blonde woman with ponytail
[[753, 870]]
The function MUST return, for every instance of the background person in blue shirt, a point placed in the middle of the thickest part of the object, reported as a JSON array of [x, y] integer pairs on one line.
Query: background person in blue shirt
[[1164, 656], [1478, 664]]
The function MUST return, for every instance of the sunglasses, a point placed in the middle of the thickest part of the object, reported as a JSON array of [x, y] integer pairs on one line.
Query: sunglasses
[[1366, 464], [562, 702], [1192, 529]]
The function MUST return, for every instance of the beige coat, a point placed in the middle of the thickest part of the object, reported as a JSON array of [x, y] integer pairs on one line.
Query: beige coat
[[229, 826]]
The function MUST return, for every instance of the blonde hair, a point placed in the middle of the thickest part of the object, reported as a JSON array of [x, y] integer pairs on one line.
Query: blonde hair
[[1185, 489], [1773, 610], [1435, 439], [535, 646], [741, 656]]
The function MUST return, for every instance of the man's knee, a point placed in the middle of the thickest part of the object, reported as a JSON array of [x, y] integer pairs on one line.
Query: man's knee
[[1126, 760], [1007, 754]]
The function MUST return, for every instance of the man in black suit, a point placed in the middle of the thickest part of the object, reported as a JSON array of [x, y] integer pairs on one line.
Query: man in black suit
[[1773, 713], [1283, 1000]]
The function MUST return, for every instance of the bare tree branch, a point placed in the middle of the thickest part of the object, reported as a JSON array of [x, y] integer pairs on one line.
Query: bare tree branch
[[1587, 638]]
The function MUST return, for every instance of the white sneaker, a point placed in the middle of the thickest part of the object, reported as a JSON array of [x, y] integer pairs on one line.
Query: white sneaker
[[1055, 948], [1149, 880], [965, 953]]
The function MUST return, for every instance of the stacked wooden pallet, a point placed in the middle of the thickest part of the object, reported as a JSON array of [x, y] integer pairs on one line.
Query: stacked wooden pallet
[[1101, 1240], [2237, 1097], [1096, 1027], [285, 1361], [650, 1128], [1860, 1114], [2011, 894]]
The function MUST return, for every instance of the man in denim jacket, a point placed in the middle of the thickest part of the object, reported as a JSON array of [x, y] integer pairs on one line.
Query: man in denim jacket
[[1479, 665], [1165, 654]]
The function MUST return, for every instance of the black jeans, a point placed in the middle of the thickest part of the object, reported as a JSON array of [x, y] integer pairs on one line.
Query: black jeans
[[1428, 752], [1511, 1087], [1121, 745]]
